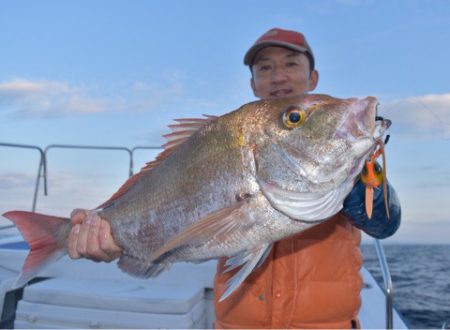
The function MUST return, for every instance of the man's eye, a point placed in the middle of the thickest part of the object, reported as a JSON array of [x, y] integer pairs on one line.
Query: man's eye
[[291, 64], [264, 68]]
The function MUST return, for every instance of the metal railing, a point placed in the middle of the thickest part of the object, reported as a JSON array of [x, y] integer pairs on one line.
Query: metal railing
[[43, 168], [139, 148], [388, 286], [85, 147]]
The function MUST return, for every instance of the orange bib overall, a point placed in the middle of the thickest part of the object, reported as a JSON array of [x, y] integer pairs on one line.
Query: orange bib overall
[[309, 280]]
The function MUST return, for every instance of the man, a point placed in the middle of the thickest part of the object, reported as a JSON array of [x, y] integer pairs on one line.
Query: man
[[309, 280]]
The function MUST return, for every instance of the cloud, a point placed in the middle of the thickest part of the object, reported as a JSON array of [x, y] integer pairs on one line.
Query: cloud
[[424, 117], [28, 98], [24, 98], [16, 192], [15, 180]]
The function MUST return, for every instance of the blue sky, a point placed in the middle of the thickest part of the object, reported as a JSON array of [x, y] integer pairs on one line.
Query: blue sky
[[115, 73]]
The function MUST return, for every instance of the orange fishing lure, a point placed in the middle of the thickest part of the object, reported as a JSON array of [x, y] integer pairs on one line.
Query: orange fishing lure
[[372, 176]]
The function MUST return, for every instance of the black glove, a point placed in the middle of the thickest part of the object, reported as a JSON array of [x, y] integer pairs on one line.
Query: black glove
[[379, 226]]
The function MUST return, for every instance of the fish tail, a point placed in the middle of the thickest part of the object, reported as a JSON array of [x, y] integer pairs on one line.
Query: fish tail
[[47, 237]]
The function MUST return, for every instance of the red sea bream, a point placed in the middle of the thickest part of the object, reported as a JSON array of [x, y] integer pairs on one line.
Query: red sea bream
[[228, 186]]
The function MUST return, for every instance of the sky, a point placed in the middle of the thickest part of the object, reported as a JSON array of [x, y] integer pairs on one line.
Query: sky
[[116, 73]]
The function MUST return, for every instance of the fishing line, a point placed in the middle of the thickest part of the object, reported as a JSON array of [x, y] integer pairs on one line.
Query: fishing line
[[439, 119], [443, 125]]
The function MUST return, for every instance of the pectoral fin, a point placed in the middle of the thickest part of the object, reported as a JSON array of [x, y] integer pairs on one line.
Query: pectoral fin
[[218, 224]]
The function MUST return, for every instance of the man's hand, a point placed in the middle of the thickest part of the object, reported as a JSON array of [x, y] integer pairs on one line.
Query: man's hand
[[91, 237], [379, 226]]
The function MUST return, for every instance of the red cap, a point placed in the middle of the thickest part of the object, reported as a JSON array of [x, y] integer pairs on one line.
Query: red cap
[[281, 38]]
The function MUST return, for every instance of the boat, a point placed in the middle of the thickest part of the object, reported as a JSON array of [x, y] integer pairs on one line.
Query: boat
[[84, 294]]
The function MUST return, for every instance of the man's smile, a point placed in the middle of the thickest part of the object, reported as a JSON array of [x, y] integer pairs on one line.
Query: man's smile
[[281, 92]]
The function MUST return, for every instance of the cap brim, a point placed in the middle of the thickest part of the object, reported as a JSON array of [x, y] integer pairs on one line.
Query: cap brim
[[251, 53]]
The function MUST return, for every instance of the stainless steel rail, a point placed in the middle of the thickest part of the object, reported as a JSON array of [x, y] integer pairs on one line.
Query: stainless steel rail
[[139, 148], [129, 151], [42, 169], [388, 287], [85, 147]]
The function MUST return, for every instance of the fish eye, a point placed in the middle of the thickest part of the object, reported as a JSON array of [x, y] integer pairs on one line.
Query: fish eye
[[294, 117]]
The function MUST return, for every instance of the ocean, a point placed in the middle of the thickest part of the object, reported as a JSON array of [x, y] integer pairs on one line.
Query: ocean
[[421, 280]]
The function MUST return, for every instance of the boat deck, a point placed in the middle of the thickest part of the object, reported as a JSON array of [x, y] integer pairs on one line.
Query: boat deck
[[85, 294]]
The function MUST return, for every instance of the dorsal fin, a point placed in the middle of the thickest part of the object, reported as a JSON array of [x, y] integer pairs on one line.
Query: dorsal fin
[[181, 132]]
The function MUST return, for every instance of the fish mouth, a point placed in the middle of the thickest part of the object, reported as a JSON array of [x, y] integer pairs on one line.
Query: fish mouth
[[388, 122], [362, 121], [364, 129], [381, 126]]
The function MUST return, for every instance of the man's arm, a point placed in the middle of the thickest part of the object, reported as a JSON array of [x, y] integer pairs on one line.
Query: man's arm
[[379, 226], [91, 237]]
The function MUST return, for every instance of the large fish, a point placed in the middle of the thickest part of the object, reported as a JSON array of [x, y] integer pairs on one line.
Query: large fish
[[228, 186]]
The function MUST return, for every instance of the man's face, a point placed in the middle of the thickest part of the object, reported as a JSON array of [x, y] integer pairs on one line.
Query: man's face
[[280, 72]]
